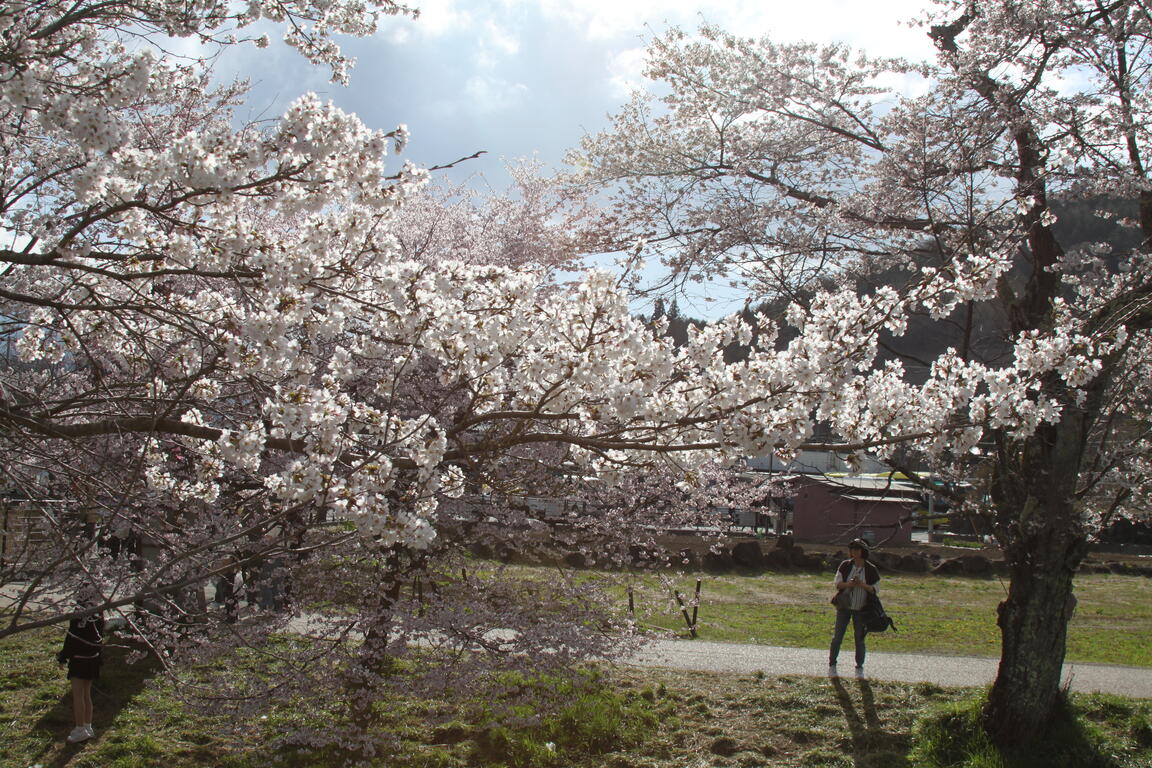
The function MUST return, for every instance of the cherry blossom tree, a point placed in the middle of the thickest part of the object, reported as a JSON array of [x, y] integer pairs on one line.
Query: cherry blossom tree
[[271, 349], [533, 223], [816, 177], [136, 219]]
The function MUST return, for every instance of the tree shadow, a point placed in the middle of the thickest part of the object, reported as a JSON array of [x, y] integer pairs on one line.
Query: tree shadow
[[119, 683], [867, 740]]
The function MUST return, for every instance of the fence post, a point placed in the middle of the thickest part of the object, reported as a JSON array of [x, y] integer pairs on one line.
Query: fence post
[[695, 606], [684, 610]]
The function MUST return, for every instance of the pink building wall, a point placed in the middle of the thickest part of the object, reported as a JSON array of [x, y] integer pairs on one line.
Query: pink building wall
[[823, 514]]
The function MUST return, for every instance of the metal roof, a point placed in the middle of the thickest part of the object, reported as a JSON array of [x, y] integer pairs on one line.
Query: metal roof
[[881, 499], [870, 483]]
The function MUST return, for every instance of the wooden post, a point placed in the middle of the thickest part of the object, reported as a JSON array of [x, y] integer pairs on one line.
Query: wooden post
[[4, 535], [695, 606], [684, 611]]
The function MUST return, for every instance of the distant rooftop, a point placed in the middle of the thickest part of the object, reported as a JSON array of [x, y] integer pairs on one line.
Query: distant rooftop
[[814, 463]]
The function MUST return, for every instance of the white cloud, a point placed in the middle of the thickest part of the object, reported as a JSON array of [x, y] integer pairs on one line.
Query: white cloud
[[910, 85], [573, 61], [396, 34], [626, 72], [493, 94], [875, 26], [499, 37], [480, 33], [441, 17], [606, 19], [495, 46], [880, 27], [492, 36]]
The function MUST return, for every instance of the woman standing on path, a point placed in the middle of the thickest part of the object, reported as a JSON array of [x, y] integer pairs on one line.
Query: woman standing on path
[[855, 579]]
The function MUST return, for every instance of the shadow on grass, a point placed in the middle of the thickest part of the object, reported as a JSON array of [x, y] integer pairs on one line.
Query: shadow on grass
[[868, 742], [119, 683]]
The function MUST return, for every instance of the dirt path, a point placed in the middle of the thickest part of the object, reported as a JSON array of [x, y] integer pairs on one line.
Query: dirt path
[[948, 671]]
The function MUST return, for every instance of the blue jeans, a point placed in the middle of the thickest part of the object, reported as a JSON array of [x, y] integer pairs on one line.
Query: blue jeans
[[843, 616]]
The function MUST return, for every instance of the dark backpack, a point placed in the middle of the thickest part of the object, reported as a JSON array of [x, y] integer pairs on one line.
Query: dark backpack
[[876, 619]]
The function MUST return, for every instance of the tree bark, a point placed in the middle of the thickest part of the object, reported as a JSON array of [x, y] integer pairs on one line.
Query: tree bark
[[1033, 624], [1044, 541]]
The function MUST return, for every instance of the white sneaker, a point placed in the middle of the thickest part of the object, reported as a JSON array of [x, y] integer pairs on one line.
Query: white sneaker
[[91, 731], [78, 734]]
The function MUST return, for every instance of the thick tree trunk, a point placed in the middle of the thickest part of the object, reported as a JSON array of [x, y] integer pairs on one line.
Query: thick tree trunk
[[1033, 624], [1039, 525]]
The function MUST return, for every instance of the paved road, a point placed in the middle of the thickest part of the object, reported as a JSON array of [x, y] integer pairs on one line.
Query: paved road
[[949, 671]]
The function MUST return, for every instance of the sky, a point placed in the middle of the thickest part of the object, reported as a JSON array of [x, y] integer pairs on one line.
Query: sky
[[528, 78], [517, 78]]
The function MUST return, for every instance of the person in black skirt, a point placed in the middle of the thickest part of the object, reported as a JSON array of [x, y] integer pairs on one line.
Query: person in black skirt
[[83, 647]]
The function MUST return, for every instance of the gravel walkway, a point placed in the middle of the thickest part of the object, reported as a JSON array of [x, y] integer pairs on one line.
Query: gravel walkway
[[949, 671]]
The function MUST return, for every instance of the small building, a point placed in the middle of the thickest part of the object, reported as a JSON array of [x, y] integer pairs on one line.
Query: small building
[[835, 509], [26, 525]]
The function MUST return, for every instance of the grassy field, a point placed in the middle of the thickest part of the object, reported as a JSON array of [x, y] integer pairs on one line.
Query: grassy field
[[953, 615], [639, 718], [633, 719]]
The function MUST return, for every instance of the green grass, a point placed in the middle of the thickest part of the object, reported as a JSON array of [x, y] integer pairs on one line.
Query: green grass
[[1093, 731], [628, 718], [934, 614], [947, 615], [145, 719], [652, 719], [142, 722], [594, 722]]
